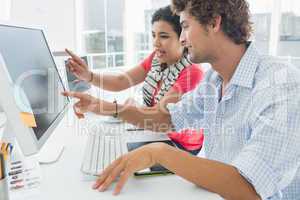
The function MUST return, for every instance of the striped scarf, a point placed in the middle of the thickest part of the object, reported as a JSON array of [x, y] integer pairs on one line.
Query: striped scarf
[[167, 76]]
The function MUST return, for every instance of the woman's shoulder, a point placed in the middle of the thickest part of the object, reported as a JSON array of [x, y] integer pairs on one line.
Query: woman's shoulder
[[189, 78], [147, 62], [193, 70]]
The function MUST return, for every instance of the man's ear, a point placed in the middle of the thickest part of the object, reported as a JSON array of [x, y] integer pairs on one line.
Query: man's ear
[[216, 24]]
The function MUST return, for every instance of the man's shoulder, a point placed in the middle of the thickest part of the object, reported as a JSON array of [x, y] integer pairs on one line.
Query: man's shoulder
[[275, 81], [274, 71]]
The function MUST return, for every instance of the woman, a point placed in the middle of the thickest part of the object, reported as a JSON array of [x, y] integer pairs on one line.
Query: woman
[[166, 73]]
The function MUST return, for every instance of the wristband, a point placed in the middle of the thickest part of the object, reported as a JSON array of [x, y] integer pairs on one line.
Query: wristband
[[92, 77], [116, 111]]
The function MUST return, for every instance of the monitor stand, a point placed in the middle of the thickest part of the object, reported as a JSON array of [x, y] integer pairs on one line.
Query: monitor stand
[[52, 150], [49, 153]]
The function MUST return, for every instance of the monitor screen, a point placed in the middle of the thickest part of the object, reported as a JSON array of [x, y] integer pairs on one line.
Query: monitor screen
[[32, 69]]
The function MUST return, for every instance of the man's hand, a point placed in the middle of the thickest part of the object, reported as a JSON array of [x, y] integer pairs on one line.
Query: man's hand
[[86, 103], [126, 165]]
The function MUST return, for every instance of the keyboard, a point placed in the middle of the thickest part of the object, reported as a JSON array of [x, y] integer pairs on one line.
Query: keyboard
[[100, 151]]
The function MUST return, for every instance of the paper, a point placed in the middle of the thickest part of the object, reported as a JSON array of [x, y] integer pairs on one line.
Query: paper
[[25, 179], [28, 119]]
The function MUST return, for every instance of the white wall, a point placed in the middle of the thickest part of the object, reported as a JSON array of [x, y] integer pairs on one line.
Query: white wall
[[4, 9], [57, 17]]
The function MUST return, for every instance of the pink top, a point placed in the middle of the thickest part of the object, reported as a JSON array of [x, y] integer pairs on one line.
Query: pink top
[[188, 79]]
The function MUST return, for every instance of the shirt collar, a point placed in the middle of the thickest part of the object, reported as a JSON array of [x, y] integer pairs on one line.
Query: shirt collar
[[245, 71]]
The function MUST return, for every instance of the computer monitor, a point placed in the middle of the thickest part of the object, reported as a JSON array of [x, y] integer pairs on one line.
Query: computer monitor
[[2, 117], [30, 83]]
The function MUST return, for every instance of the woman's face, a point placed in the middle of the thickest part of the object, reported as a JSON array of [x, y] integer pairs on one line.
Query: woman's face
[[167, 46]]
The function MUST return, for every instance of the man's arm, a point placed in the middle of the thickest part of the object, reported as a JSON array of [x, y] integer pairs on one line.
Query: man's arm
[[222, 179], [214, 176]]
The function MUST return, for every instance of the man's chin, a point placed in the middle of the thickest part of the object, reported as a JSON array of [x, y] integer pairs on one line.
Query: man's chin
[[194, 59], [191, 58]]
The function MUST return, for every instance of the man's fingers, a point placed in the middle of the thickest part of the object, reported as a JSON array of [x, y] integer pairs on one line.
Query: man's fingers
[[105, 184], [106, 173], [123, 179], [112, 176]]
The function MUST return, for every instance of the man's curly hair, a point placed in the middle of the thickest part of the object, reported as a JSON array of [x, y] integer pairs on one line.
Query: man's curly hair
[[235, 15]]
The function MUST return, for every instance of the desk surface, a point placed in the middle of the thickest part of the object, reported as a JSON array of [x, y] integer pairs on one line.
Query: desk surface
[[64, 181]]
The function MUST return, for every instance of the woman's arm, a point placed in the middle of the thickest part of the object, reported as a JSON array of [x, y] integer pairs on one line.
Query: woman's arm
[[157, 119], [118, 82], [112, 82]]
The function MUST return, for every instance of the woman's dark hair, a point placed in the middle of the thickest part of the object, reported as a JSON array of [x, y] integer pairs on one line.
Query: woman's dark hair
[[166, 14]]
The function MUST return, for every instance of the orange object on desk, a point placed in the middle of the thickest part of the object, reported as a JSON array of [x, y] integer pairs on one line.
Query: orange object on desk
[[28, 119]]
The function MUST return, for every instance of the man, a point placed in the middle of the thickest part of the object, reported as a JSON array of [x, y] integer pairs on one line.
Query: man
[[248, 106]]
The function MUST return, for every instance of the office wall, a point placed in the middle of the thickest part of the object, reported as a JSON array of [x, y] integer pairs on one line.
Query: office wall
[[57, 17], [4, 9]]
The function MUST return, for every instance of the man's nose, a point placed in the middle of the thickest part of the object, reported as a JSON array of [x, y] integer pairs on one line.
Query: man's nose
[[182, 39]]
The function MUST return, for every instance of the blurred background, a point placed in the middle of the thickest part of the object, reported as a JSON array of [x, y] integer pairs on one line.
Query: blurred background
[[117, 33]]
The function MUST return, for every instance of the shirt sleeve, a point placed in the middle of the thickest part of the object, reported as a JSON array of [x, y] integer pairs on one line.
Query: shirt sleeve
[[270, 159], [147, 63], [188, 112], [188, 79]]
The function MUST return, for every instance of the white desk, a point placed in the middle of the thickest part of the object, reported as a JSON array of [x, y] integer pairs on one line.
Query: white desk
[[63, 180]]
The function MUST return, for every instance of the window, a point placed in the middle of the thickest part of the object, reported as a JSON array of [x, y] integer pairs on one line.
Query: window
[[289, 38], [138, 21], [116, 33], [102, 33], [261, 18], [277, 28]]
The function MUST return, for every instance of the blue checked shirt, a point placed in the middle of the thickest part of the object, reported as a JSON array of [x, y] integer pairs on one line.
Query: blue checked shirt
[[255, 126]]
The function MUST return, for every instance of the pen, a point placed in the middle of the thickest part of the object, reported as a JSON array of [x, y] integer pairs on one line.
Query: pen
[[2, 167], [16, 181], [16, 167], [16, 162], [17, 187], [9, 148], [3, 147], [15, 172], [152, 173], [6, 149], [135, 129]]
